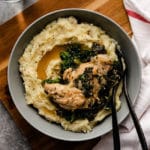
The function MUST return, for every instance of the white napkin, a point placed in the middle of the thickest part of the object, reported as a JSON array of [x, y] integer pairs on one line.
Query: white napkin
[[139, 17]]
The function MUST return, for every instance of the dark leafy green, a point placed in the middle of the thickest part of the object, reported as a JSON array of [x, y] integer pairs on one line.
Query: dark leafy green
[[98, 49], [113, 77], [56, 80], [85, 80], [75, 54], [88, 113]]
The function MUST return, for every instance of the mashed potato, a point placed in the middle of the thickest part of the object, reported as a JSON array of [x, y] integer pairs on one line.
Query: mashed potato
[[36, 65]]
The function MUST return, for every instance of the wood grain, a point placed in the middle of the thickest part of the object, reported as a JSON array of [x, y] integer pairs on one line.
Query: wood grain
[[9, 33]]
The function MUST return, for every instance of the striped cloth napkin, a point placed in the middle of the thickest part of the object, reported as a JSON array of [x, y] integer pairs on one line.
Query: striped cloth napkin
[[139, 16]]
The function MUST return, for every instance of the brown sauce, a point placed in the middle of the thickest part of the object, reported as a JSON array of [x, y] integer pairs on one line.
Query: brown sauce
[[49, 56]]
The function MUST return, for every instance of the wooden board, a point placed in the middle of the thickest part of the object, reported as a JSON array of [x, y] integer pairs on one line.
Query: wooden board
[[9, 33]]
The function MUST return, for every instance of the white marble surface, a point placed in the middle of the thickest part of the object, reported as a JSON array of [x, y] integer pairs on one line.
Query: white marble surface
[[10, 136], [9, 9]]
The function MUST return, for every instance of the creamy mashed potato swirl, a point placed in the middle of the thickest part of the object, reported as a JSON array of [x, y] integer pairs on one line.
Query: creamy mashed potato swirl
[[56, 34]]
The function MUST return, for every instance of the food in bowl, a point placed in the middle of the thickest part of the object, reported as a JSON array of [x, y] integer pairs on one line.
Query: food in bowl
[[69, 70]]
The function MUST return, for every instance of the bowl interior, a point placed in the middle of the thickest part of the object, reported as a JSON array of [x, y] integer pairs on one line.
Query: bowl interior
[[16, 85]]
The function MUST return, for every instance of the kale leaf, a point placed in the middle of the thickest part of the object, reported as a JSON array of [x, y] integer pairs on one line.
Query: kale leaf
[[76, 53]]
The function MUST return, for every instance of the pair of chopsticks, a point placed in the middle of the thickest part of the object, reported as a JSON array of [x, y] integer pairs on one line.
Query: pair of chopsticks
[[116, 137]]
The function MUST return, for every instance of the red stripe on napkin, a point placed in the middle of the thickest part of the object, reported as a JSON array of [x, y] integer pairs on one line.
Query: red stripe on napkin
[[136, 15]]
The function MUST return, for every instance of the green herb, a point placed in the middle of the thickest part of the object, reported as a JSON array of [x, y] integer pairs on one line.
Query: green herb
[[69, 57], [56, 80], [112, 78], [88, 113], [85, 80], [75, 54], [99, 49]]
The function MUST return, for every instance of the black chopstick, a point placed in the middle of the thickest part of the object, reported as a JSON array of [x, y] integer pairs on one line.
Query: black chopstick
[[116, 136], [134, 117]]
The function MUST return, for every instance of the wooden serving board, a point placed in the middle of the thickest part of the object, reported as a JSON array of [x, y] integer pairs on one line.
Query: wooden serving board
[[9, 33]]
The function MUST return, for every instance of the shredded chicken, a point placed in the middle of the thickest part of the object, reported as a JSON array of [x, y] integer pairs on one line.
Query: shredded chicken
[[71, 98], [67, 97], [99, 63]]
